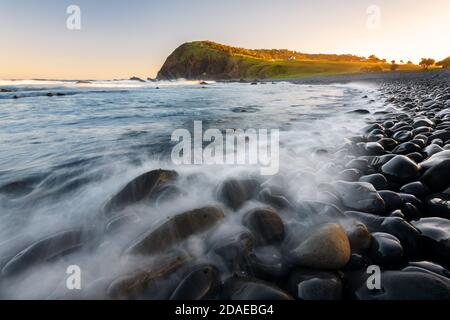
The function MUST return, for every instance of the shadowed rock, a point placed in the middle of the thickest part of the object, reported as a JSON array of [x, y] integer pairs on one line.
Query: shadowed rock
[[145, 187], [265, 224], [201, 283], [44, 250], [177, 229]]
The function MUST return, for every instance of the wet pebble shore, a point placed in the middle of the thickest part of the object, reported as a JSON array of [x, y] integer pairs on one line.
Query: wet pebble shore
[[389, 207]]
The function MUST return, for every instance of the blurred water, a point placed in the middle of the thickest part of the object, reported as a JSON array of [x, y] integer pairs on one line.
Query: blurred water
[[68, 153]]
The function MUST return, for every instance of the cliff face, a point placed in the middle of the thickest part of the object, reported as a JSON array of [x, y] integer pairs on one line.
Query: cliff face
[[198, 60]]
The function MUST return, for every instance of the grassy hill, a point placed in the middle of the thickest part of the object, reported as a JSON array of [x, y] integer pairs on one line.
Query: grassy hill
[[209, 60]]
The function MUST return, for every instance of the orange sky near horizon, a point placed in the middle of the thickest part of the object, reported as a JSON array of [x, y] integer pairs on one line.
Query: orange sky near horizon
[[119, 39]]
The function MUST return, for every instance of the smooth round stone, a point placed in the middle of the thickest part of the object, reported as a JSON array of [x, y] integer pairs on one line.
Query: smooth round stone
[[233, 248], [175, 230], [234, 193], [276, 201], [391, 200], [375, 126], [407, 147], [437, 177], [433, 149], [44, 250], [422, 122], [376, 179], [399, 285], [147, 186], [326, 247], [429, 266], [399, 126], [408, 235], [388, 143], [436, 159], [438, 142], [374, 149], [416, 157], [359, 236], [411, 212], [403, 136], [438, 205], [120, 222], [359, 196], [421, 130], [416, 188], [266, 263], [307, 284], [397, 213], [388, 124], [436, 235], [406, 197], [201, 283], [357, 262], [265, 224], [385, 249], [420, 142], [350, 175], [240, 288], [401, 169], [359, 164]]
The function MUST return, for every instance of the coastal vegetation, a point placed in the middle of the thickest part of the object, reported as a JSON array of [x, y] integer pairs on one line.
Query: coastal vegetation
[[210, 60]]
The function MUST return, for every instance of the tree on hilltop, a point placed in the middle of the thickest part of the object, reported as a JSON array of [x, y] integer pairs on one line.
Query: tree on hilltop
[[426, 63]]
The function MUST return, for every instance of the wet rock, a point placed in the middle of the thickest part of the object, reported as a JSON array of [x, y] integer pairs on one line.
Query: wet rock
[[391, 200], [307, 284], [177, 229], [265, 224], [376, 179], [432, 149], [44, 250], [360, 111], [436, 238], [359, 196], [374, 149], [121, 221], [399, 285], [356, 262], [428, 267], [438, 205], [239, 288], [411, 212], [266, 263], [403, 136], [407, 147], [326, 247], [408, 235], [151, 280], [350, 175], [279, 202], [436, 178], [358, 236], [361, 165], [436, 159], [416, 188], [145, 187], [234, 249], [235, 193], [385, 249], [388, 144], [401, 169], [202, 283]]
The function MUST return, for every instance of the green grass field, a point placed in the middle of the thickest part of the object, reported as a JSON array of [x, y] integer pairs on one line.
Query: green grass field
[[238, 64]]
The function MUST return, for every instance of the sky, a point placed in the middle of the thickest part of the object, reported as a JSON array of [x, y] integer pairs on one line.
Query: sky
[[120, 39]]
